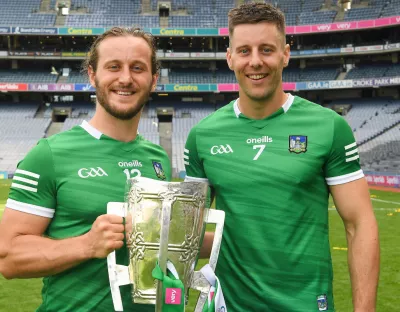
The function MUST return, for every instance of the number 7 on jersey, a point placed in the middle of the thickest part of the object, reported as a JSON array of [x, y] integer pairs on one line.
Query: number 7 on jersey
[[261, 147]]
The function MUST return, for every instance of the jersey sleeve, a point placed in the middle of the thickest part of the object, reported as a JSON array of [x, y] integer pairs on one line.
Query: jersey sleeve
[[193, 164], [343, 164], [33, 188]]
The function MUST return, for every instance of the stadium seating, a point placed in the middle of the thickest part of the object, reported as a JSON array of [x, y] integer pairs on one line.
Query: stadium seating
[[307, 18], [383, 153], [186, 116], [392, 8], [371, 117], [374, 71], [363, 13], [27, 76], [76, 77], [24, 13], [310, 74], [191, 75], [19, 132], [184, 13]]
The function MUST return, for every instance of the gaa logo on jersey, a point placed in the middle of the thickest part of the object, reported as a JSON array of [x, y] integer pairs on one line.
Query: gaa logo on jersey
[[159, 170], [297, 144], [322, 303]]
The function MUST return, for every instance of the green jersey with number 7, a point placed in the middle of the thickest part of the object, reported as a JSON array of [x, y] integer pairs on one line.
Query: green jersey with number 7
[[271, 178]]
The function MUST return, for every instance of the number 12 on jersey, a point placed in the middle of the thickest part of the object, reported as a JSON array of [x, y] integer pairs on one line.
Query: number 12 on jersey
[[134, 173], [261, 149]]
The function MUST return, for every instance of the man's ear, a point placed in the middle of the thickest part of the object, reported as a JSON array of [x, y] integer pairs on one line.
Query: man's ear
[[92, 76], [154, 82], [229, 58], [286, 54]]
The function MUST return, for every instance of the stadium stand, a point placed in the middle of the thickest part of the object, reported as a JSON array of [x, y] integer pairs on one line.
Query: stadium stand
[[19, 132], [371, 117], [373, 71], [383, 153], [186, 116], [27, 76], [24, 13], [106, 13]]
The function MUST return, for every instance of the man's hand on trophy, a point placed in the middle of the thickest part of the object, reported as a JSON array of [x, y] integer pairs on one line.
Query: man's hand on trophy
[[106, 235], [128, 226]]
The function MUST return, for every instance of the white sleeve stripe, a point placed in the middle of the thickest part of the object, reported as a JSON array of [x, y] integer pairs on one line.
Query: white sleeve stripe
[[24, 187], [345, 178], [33, 182], [352, 158], [186, 151], [186, 163], [185, 156], [350, 146], [194, 179], [28, 173], [352, 152], [28, 208]]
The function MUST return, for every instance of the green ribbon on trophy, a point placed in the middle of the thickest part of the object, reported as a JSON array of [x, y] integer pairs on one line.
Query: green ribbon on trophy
[[173, 294], [173, 290]]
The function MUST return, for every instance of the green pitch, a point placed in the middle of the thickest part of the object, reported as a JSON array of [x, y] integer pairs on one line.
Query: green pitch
[[24, 295]]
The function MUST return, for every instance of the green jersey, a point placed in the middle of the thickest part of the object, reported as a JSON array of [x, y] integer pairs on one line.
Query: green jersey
[[70, 177], [271, 178]]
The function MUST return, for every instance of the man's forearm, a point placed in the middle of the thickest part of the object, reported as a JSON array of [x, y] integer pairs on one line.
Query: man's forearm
[[205, 250], [363, 259], [32, 256]]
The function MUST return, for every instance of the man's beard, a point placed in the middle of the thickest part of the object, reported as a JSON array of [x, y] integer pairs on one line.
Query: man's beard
[[102, 99]]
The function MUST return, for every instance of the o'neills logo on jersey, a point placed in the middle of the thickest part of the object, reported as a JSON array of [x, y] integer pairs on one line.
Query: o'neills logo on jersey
[[263, 139], [133, 163]]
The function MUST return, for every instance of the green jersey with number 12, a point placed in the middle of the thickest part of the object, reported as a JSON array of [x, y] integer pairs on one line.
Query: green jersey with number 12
[[70, 177], [271, 178]]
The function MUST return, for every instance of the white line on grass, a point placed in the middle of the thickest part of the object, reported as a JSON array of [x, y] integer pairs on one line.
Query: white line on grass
[[385, 201]]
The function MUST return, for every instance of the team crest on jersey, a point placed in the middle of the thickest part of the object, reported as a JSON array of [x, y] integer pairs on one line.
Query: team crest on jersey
[[297, 144], [322, 303], [159, 170]]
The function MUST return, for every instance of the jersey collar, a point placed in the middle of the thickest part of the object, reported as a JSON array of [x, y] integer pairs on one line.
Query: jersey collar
[[285, 106], [91, 130]]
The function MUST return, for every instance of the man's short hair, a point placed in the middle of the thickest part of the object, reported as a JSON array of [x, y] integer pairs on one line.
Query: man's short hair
[[253, 13]]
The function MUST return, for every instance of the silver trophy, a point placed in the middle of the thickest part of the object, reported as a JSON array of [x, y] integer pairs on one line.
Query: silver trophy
[[167, 222]]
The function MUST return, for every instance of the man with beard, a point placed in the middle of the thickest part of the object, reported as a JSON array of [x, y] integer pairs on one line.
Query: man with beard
[[55, 223], [272, 159]]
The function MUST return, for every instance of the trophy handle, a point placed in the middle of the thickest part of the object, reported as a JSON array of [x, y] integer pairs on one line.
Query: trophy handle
[[217, 217], [199, 281], [118, 274]]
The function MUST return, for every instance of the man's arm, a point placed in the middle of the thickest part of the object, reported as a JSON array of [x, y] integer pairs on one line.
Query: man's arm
[[353, 203], [205, 250], [25, 253]]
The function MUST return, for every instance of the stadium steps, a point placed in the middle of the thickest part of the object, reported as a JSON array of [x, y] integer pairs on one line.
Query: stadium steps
[[165, 131], [40, 112], [146, 6], [62, 79], [164, 21], [55, 127], [45, 6], [339, 16], [60, 20], [341, 76]]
